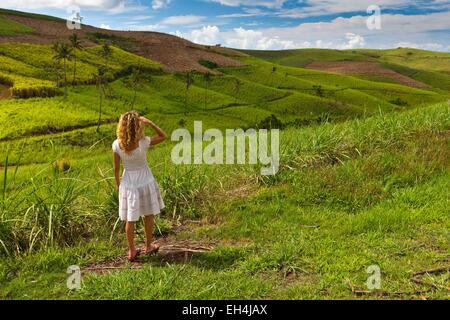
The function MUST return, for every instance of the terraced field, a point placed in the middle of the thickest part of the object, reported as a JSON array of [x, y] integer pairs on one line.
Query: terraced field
[[403, 65]]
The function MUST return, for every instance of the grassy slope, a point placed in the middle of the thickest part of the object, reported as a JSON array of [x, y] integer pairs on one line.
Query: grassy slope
[[288, 93], [367, 95], [9, 27], [348, 196], [432, 68], [32, 66], [301, 58]]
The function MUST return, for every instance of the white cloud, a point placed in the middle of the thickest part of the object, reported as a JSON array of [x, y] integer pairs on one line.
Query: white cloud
[[160, 4], [340, 33], [328, 7], [105, 26], [141, 17], [354, 41], [145, 27], [251, 39], [308, 8], [255, 3], [237, 38], [62, 4], [110, 6], [248, 12], [209, 35], [418, 29], [182, 20]]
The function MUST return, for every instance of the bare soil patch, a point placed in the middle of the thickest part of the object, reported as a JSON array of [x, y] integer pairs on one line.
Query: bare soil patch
[[365, 68], [175, 54], [171, 251]]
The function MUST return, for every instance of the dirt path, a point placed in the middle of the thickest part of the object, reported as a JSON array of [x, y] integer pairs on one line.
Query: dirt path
[[175, 250], [364, 68], [171, 251]]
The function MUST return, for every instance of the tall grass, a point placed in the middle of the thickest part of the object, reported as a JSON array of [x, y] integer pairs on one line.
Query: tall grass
[[63, 207], [57, 208], [44, 212], [334, 143]]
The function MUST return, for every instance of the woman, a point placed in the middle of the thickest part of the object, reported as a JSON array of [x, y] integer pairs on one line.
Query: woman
[[139, 194]]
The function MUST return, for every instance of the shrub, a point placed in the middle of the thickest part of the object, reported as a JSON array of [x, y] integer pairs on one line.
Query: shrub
[[182, 123], [61, 165], [271, 122], [124, 43], [399, 102], [208, 64], [318, 90], [43, 92], [6, 81]]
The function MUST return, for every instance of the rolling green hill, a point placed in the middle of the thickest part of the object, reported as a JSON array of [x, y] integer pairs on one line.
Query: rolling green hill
[[432, 68], [10, 28]]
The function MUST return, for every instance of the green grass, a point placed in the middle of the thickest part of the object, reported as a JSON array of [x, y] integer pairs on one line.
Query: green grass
[[30, 69], [429, 67], [301, 58], [30, 117], [9, 27], [37, 61], [418, 59], [412, 58], [357, 93], [348, 195]]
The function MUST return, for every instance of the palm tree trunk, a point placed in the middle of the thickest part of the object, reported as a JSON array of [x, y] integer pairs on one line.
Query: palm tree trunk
[[134, 97], [74, 65], [100, 109], [65, 78], [206, 95], [186, 101]]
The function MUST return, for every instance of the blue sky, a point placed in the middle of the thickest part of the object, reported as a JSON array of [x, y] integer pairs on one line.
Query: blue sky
[[269, 24]]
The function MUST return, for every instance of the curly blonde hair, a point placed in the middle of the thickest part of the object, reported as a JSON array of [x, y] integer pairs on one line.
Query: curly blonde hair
[[129, 131]]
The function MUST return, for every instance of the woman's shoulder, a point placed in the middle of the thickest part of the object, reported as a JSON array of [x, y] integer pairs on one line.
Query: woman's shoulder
[[115, 145], [145, 141]]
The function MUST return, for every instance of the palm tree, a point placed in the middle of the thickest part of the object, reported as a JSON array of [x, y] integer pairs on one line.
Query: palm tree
[[237, 88], [135, 81], [286, 75], [76, 44], [207, 78], [106, 53], [63, 52], [101, 80], [189, 81], [57, 65], [274, 70]]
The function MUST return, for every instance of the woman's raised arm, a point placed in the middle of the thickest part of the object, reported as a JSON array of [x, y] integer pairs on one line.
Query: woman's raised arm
[[161, 137]]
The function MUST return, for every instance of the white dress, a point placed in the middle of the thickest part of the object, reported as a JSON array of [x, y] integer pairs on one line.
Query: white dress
[[139, 193]]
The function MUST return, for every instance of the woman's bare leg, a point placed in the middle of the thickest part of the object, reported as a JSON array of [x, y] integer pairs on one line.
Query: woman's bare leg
[[129, 228], [149, 223]]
